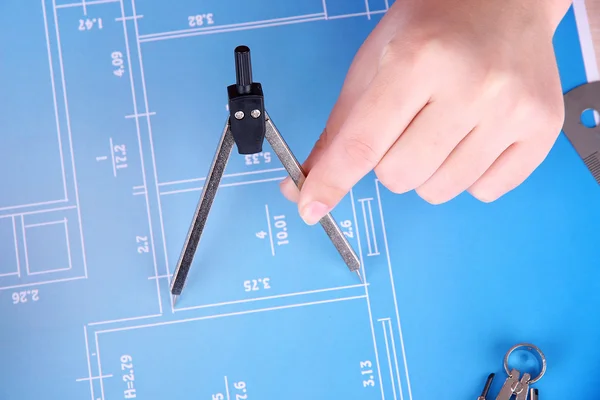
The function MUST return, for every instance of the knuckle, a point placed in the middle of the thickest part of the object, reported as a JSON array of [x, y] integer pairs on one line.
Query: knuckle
[[400, 52], [390, 54], [322, 141], [360, 152]]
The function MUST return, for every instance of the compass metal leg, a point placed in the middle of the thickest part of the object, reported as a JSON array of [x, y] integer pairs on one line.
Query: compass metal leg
[[295, 171], [206, 199]]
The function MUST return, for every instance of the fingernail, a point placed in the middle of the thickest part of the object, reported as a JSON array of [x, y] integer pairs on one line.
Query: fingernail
[[289, 190], [313, 212]]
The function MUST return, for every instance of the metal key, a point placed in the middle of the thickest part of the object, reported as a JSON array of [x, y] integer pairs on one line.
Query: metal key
[[486, 388], [533, 394], [513, 386]]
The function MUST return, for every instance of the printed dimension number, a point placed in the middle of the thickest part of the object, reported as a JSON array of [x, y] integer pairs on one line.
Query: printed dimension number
[[25, 296], [200, 20], [280, 230], [367, 373], [238, 392], [257, 284], [128, 376]]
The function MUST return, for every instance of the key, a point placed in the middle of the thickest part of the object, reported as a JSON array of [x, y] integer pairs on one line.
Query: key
[[486, 388], [513, 386], [507, 390], [533, 394]]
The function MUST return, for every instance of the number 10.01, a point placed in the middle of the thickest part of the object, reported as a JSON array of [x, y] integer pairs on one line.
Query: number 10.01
[[281, 226]]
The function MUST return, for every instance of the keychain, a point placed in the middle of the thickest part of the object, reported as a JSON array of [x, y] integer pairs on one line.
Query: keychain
[[517, 386]]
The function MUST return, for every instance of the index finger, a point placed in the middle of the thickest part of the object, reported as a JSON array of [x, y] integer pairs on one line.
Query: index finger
[[382, 113]]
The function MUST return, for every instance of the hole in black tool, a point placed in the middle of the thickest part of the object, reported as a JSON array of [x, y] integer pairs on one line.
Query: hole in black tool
[[590, 118]]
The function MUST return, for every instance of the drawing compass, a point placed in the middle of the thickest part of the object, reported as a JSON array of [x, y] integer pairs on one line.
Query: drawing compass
[[247, 125]]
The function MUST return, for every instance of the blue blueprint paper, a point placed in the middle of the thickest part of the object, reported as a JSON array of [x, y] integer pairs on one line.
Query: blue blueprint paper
[[101, 170]]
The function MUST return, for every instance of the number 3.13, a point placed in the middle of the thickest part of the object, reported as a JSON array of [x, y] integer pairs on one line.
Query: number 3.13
[[367, 372]]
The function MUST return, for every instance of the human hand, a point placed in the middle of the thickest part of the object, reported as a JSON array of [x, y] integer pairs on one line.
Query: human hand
[[444, 96]]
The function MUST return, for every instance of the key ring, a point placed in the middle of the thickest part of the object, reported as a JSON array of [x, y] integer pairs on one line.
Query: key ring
[[531, 348]]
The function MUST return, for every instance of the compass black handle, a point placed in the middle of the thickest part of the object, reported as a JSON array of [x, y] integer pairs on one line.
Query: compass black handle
[[246, 106], [243, 69]]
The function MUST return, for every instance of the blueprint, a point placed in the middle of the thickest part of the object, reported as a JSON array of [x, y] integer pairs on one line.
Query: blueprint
[[111, 113]]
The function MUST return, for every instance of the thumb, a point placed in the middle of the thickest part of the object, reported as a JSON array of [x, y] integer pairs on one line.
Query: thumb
[[287, 186], [362, 70]]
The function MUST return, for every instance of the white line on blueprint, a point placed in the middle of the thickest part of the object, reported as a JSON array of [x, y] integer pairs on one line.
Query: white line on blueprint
[[236, 29], [23, 233], [49, 271], [278, 296], [93, 378], [152, 153], [387, 252], [124, 320], [373, 229], [270, 230], [389, 357], [99, 365], [128, 18], [42, 283], [112, 156], [14, 225], [89, 365], [60, 150], [140, 115], [160, 276], [62, 221], [37, 212], [68, 243], [42, 203], [225, 26], [364, 274], [68, 119], [252, 25], [364, 213], [260, 171], [87, 3], [231, 314], [143, 168], [360, 14], [395, 358], [227, 388], [279, 178]]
